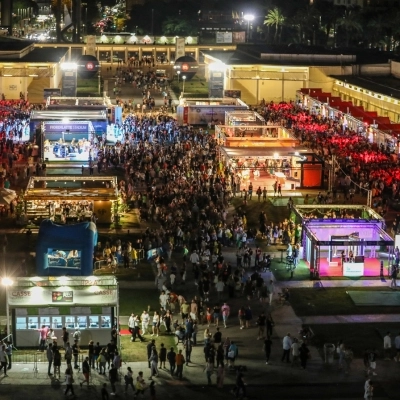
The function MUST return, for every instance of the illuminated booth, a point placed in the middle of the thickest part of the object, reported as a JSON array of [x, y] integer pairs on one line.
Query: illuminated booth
[[87, 303], [71, 199], [343, 240], [211, 111]]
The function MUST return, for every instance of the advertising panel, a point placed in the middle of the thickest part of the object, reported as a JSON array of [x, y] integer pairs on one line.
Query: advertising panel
[[43, 296], [239, 37], [224, 37], [69, 84], [179, 48], [91, 45]]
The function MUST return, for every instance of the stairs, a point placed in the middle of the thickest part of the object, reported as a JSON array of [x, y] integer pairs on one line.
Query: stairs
[[35, 89]]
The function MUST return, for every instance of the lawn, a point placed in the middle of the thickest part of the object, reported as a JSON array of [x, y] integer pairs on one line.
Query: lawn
[[301, 273], [196, 87], [357, 336], [333, 301], [137, 300], [87, 87]]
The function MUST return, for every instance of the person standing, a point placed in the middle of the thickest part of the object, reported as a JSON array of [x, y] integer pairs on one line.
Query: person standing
[[372, 362], [153, 362], [397, 346], [393, 283], [295, 347], [68, 381], [225, 309], [49, 355], [270, 325], [286, 344], [104, 392], [220, 376], [261, 321], [163, 355], [180, 361], [75, 353], [65, 336], [171, 357], [3, 359], [57, 362], [209, 369], [188, 349], [113, 377], [43, 337], [271, 289], [267, 348], [387, 345], [149, 348], [9, 354]]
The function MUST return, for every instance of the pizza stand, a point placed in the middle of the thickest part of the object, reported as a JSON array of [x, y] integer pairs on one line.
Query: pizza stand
[[88, 303]]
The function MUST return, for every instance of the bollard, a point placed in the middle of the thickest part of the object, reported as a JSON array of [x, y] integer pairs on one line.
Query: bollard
[[381, 269]]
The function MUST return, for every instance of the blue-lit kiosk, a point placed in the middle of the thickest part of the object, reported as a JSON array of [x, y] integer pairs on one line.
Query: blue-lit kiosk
[[87, 303]]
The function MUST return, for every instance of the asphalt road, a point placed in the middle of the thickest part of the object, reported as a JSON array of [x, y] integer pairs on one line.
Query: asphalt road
[[342, 390]]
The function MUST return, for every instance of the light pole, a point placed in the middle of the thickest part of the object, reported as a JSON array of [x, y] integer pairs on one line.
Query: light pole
[[283, 84], [178, 72], [248, 18], [183, 89], [6, 282]]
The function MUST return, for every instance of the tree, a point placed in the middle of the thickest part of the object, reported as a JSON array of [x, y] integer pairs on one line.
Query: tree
[[177, 26], [350, 23], [277, 19]]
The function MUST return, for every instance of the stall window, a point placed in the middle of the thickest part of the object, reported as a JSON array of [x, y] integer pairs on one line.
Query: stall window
[[82, 322], [56, 323], [21, 323], [33, 323], [70, 322], [93, 321], [45, 321], [105, 322]]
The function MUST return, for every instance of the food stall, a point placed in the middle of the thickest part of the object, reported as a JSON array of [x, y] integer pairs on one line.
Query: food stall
[[71, 199], [87, 303], [343, 240]]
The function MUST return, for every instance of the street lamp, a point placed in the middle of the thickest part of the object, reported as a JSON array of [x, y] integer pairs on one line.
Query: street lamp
[[183, 89], [248, 18], [6, 282]]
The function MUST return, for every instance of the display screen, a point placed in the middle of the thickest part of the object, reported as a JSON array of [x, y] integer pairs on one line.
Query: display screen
[[64, 258], [105, 322], [21, 323], [33, 323], [70, 322]]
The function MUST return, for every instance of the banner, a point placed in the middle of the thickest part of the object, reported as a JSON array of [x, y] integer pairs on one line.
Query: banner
[[62, 127], [239, 37], [179, 48], [91, 45], [43, 296]]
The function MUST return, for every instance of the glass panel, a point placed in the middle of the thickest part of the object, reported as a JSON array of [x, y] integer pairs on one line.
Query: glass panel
[[94, 321], [70, 322], [21, 323], [33, 323], [82, 322], [45, 321], [56, 322]]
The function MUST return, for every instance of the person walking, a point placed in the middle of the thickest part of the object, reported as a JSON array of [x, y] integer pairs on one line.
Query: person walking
[[129, 380], [9, 354], [162, 356], [56, 363], [188, 349], [149, 349], [225, 309], [261, 321], [220, 376], [171, 357], [49, 355], [153, 363], [68, 381], [295, 347], [387, 346], [85, 371], [286, 344], [113, 377], [397, 346], [393, 276], [368, 389], [140, 385], [304, 353], [179, 361], [270, 324], [372, 362], [267, 348]]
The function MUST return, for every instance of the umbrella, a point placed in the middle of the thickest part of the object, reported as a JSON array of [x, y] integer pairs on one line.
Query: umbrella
[[7, 196]]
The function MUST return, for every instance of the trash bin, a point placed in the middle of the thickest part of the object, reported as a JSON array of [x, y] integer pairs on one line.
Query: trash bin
[[329, 351]]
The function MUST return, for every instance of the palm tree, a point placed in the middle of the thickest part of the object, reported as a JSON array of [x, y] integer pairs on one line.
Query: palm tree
[[275, 18], [350, 24]]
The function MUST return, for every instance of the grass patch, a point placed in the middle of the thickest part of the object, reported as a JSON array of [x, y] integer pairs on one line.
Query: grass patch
[[301, 273], [87, 87], [334, 301], [196, 87], [357, 336], [137, 300], [136, 351], [143, 272]]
